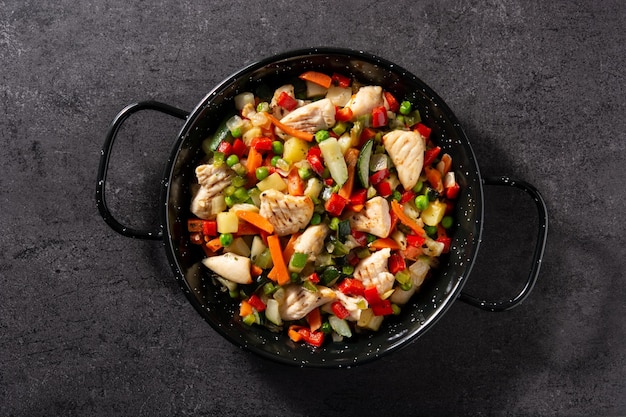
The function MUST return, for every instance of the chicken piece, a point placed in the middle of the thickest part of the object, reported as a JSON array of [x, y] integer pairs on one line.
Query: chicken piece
[[374, 218], [298, 302], [406, 149], [311, 241], [277, 111], [373, 271], [365, 100], [288, 214], [318, 115], [208, 200]]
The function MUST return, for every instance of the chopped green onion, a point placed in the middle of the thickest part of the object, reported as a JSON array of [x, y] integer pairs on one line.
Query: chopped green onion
[[340, 128], [347, 270], [316, 219], [239, 181], [418, 187], [321, 135], [241, 194], [230, 190], [326, 328], [334, 223], [250, 319], [305, 173], [309, 286], [229, 200], [269, 288], [218, 158], [236, 132], [263, 106], [298, 260], [396, 309]]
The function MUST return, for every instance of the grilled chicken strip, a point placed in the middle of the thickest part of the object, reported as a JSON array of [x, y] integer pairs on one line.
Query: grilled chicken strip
[[406, 149], [365, 100], [373, 271], [209, 199], [299, 302], [374, 218], [318, 115], [311, 241], [288, 214]]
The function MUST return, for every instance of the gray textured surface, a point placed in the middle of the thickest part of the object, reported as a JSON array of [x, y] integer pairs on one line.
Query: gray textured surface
[[92, 323]]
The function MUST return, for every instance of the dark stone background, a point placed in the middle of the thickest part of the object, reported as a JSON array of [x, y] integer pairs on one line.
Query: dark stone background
[[92, 323]]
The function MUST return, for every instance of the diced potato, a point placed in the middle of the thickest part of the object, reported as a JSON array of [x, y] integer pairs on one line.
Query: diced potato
[[432, 215], [339, 96], [333, 158], [243, 99], [314, 90], [227, 222], [272, 182], [257, 248], [295, 149], [238, 247], [369, 321], [313, 188]]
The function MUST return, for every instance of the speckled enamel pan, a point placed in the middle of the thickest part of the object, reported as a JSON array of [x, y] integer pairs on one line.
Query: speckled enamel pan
[[220, 311]]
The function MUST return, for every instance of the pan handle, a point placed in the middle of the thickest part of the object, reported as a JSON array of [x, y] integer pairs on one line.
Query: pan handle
[[537, 256], [105, 155]]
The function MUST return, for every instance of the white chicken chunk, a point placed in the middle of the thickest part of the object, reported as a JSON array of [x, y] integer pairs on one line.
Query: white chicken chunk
[[288, 214], [277, 111], [311, 241], [365, 100], [373, 270], [298, 302], [318, 115], [406, 149], [374, 218], [208, 200]]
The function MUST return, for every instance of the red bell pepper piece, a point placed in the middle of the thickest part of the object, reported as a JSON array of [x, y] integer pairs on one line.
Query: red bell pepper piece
[[415, 240], [335, 204], [367, 134], [239, 148], [394, 106], [314, 158], [261, 144], [358, 197], [257, 303], [423, 129], [379, 116], [343, 114], [225, 147], [396, 263], [384, 188], [447, 241], [383, 309], [314, 278], [453, 192], [378, 176], [313, 338], [431, 154], [360, 237], [351, 286], [209, 228], [407, 196], [339, 310], [287, 102], [371, 295], [340, 80]]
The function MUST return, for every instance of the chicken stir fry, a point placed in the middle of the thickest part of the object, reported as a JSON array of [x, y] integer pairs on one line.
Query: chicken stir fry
[[323, 207]]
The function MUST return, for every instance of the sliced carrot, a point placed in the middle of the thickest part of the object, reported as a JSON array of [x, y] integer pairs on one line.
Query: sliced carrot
[[245, 308], [295, 184], [318, 78], [255, 160], [383, 243], [351, 157], [294, 334], [289, 250], [290, 130], [357, 207], [255, 271], [247, 229], [214, 244], [314, 319], [434, 178], [256, 220], [282, 273], [406, 220]]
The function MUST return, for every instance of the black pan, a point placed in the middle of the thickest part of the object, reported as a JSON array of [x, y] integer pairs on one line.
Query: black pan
[[425, 308]]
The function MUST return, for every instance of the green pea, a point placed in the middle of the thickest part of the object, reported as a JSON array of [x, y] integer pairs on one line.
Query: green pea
[[396, 195], [241, 194], [226, 239], [405, 107], [316, 219], [232, 160], [274, 160], [421, 202], [447, 222], [430, 230], [262, 173], [305, 173], [277, 147]]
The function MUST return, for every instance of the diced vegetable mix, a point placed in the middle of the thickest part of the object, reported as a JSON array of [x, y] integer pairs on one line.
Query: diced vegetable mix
[[323, 213]]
